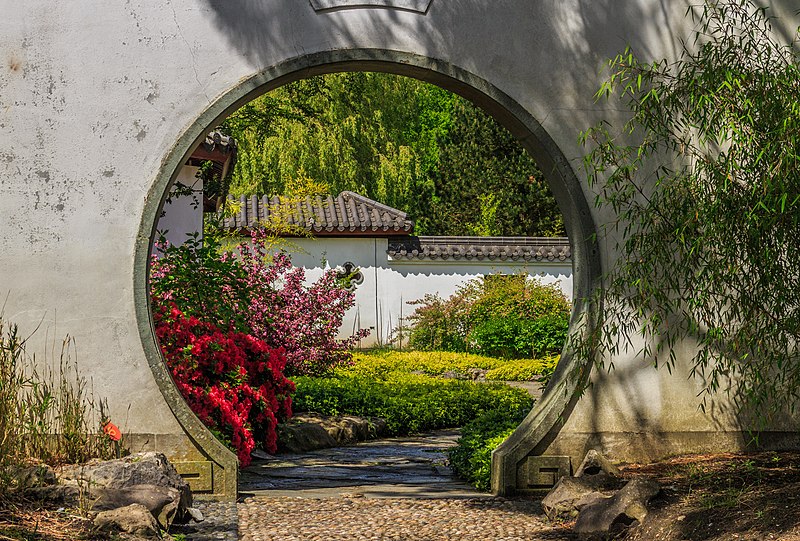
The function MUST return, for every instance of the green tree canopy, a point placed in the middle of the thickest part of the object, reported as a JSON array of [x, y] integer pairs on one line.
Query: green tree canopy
[[397, 140]]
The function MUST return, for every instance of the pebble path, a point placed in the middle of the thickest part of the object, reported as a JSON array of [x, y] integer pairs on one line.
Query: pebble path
[[396, 489], [340, 519]]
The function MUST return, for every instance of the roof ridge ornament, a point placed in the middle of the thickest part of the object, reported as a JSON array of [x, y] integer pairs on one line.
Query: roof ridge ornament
[[417, 6]]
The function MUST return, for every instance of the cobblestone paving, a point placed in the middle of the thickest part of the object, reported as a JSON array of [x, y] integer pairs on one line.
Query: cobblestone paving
[[340, 519]]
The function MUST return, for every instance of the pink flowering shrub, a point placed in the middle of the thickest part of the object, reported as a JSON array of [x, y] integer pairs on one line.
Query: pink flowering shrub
[[304, 320], [231, 323]]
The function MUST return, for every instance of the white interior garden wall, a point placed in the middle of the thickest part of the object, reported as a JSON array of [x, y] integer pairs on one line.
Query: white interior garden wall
[[101, 102], [183, 214], [382, 299]]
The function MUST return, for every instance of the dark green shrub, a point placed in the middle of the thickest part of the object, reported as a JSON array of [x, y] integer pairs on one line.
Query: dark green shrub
[[471, 459], [500, 337], [410, 403], [499, 315], [545, 335]]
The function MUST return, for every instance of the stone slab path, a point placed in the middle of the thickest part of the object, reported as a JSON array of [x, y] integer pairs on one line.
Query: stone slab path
[[395, 490], [395, 467]]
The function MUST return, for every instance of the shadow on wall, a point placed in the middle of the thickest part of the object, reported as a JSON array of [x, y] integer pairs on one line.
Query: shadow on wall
[[570, 39], [654, 399], [574, 38]]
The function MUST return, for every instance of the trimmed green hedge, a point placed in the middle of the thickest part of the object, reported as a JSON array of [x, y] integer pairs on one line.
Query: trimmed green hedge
[[409, 403], [471, 459]]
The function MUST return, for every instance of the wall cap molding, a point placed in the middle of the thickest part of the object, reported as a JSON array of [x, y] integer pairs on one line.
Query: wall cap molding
[[417, 6]]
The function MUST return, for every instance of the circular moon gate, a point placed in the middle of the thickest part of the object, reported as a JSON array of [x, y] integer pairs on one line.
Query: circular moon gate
[[565, 186]]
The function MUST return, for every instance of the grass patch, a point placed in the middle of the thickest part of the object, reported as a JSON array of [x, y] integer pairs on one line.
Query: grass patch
[[46, 414]]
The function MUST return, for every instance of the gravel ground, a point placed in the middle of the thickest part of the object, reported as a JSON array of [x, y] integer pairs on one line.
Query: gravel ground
[[483, 519], [220, 521]]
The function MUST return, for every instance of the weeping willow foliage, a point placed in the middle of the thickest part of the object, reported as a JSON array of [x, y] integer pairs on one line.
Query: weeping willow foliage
[[397, 140], [708, 201]]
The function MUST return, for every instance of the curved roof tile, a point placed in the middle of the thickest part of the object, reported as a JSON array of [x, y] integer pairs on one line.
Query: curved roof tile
[[347, 214], [544, 249]]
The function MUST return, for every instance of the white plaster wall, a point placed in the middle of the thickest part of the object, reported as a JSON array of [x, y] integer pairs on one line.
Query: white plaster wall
[[389, 285], [183, 214], [94, 94]]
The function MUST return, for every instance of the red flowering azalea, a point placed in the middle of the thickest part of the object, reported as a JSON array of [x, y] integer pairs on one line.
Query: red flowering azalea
[[231, 380]]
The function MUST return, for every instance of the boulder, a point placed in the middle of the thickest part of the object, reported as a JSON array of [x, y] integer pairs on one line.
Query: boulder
[[477, 374], [148, 468], [134, 519], [569, 495], [310, 431], [626, 508], [350, 429], [161, 502], [598, 471], [303, 437]]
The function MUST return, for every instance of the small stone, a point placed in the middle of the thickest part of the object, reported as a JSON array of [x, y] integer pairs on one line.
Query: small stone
[[195, 513]]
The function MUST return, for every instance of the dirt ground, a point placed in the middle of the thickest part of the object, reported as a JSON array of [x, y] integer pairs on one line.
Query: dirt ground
[[744, 497], [30, 521]]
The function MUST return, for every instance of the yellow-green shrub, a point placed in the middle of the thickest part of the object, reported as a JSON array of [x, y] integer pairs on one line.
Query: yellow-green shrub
[[523, 369], [382, 364]]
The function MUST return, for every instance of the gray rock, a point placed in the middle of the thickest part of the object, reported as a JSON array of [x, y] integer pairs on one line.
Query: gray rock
[[134, 519], [162, 502], [148, 468], [56, 494], [25, 477], [624, 509], [599, 471], [310, 431], [563, 501]]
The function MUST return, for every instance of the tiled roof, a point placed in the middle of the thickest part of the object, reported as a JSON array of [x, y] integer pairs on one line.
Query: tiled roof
[[347, 214], [528, 249]]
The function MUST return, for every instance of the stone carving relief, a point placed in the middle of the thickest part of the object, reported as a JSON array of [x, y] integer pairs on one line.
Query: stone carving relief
[[418, 6]]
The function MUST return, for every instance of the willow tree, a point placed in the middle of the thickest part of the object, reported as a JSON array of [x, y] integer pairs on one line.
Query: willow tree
[[400, 141], [706, 187]]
